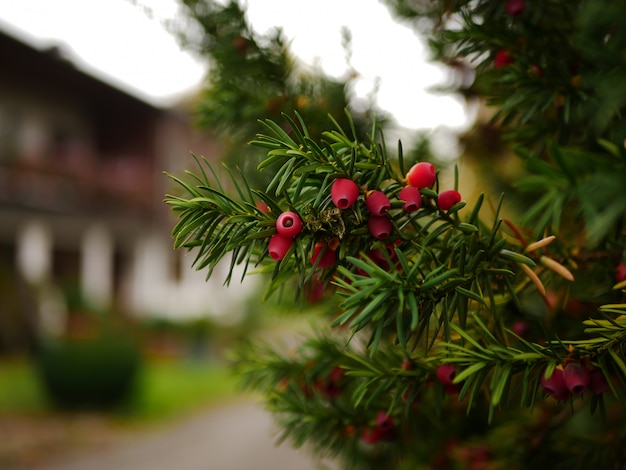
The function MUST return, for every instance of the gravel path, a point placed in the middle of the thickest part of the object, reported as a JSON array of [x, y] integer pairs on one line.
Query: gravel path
[[237, 436]]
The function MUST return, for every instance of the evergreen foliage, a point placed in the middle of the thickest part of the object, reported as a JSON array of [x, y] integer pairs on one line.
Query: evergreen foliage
[[453, 336], [253, 76]]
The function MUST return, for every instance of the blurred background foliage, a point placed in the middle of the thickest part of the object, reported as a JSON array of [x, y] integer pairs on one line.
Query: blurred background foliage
[[254, 76]]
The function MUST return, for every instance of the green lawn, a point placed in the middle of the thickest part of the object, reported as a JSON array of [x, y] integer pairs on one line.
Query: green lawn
[[19, 388], [171, 388], [165, 389]]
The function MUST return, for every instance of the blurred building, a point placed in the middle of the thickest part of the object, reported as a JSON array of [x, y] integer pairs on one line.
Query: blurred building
[[81, 191]]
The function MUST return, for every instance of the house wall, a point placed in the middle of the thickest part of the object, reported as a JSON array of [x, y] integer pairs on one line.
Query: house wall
[[81, 191]]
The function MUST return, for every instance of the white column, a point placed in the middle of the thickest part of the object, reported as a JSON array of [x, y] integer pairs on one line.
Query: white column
[[150, 285], [34, 262], [34, 252], [96, 270]]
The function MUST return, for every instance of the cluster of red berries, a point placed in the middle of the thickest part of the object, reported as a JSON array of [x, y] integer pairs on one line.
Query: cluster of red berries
[[345, 193], [330, 386], [572, 380], [333, 385]]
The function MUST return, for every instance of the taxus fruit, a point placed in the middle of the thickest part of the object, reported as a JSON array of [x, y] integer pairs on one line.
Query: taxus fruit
[[326, 255], [411, 197], [597, 382], [448, 198], [288, 224], [379, 226], [576, 378], [344, 192], [555, 385], [446, 373], [422, 175], [279, 246], [377, 203]]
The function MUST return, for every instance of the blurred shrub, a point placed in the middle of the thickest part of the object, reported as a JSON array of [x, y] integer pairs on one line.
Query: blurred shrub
[[95, 372]]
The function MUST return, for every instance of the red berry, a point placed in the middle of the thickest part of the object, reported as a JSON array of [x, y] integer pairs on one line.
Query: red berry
[[326, 255], [344, 192], [597, 382], [448, 198], [555, 385], [620, 272], [536, 70], [379, 226], [333, 384], [288, 224], [379, 258], [576, 378], [412, 198], [446, 373], [316, 290], [515, 7], [336, 375], [262, 207], [371, 435], [278, 246], [520, 328], [377, 203], [502, 59], [422, 175], [384, 422]]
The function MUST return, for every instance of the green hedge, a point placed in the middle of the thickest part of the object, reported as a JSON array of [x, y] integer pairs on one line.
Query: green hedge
[[97, 372]]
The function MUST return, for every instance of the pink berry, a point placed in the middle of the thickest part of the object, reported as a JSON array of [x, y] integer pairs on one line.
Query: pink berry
[[278, 246], [384, 422], [502, 59], [344, 192], [422, 175], [597, 382], [576, 378], [263, 207], [555, 385], [379, 226], [448, 198], [520, 328], [328, 256], [446, 373], [377, 203], [620, 272], [412, 198], [288, 224], [515, 7]]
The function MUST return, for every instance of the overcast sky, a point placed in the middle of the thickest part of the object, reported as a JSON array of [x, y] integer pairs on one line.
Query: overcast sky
[[117, 40]]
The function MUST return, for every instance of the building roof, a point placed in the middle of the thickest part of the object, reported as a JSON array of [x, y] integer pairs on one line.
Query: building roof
[[52, 66]]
